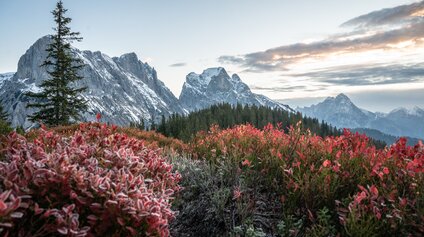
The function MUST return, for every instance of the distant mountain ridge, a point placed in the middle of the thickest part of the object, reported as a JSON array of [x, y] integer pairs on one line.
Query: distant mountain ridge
[[388, 139], [341, 112]]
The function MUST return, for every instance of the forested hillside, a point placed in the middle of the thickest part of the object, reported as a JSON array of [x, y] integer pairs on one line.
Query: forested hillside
[[226, 116]]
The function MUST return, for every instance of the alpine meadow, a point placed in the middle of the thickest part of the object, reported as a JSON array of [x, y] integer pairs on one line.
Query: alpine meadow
[[240, 118]]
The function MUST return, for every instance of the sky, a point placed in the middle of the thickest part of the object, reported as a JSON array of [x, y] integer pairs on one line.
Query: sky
[[297, 52]]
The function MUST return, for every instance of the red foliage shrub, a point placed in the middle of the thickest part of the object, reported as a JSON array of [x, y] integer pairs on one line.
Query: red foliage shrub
[[151, 139], [345, 174], [94, 183]]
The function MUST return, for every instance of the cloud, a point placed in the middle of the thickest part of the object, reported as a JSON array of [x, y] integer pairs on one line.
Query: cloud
[[178, 65], [400, 14], [406, 25], [280, 89], [359, 75]]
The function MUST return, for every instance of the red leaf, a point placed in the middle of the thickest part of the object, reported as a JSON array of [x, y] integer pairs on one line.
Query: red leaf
[[3, 206], [98, 117]]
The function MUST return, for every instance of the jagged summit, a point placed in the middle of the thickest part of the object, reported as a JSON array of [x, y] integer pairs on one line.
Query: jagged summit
[[342, 96], [129, 56], [214, 71], [415, 111], [339, 97], [339, 111], [214, 86]]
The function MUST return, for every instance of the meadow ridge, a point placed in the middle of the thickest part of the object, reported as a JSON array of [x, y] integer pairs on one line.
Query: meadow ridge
[[240, 181], [238, 119]]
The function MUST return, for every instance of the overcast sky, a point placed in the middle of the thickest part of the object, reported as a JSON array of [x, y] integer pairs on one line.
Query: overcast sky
[[296, 51]]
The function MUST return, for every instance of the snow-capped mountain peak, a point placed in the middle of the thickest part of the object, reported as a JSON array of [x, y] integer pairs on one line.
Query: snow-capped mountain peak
[[213, 72], [339, 110], [343, 113], [415, 111], [214, 86], [343, 98]]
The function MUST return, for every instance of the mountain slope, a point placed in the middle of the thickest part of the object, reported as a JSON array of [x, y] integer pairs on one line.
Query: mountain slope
[[388, 139], [215, 86], [339, 111], [342, 113], [123, 89]]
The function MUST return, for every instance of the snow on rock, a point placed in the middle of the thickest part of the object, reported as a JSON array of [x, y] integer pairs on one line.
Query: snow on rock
[[214, 86], [341, 112], [123, 89]]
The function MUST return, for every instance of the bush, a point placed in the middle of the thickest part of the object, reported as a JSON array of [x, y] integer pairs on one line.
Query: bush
[[94, 183], [156, 139], [151, 139], [215, 201], [4, 127], [203, 202], [300, 175]]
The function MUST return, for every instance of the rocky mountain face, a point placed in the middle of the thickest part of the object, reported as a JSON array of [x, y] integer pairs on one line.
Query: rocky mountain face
[[215, 86], [123, 89], [5, 77], [342, 113], [339, 111]]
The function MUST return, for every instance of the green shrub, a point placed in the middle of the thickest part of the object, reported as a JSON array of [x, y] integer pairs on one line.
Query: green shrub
[[5, 128]]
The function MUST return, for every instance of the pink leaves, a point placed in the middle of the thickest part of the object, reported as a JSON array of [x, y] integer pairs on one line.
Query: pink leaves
[[246, 162], [326, 163], [37, 209], [3, 206], [98, 117], [95, 172], [374, 191], [317, 169], [10, 208], [386, 170], [236, 193], [360, 196]]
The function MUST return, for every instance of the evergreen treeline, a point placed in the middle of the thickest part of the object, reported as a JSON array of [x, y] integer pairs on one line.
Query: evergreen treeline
[[226, 115]]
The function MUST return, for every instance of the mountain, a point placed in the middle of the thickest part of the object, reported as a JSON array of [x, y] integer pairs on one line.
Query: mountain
[[215, 86], [5, 77], [339, 111], [342, 113], [388, 139], [123, 89]]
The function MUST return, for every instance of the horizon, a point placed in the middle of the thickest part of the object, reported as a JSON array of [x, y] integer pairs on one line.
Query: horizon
[[280, 53]]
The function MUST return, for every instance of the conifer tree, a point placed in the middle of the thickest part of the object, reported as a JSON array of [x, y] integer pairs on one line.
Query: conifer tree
[[4, 123], [3, 114], [59, 103]]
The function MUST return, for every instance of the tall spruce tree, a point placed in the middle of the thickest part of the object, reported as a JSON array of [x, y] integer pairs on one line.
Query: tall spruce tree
[[59, 102]]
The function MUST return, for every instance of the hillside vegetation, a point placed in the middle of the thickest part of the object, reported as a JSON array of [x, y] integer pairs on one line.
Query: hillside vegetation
[[226, 116], [388, 139], [97, 180]]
